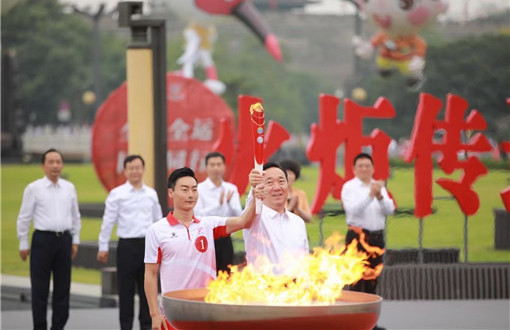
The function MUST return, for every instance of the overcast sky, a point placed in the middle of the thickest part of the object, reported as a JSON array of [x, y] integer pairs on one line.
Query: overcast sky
[[457, 9]]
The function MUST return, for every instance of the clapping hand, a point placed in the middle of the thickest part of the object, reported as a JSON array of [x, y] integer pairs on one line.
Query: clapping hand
[[375, 189], [229, 196], [222, 194]]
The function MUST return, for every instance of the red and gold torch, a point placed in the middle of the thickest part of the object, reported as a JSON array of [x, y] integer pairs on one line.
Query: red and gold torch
[[257, 125]]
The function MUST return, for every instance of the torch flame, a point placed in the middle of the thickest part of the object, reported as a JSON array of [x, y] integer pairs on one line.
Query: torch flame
[[256, 107], [315, 279]]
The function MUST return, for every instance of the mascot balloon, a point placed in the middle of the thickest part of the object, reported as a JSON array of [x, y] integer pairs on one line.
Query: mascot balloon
[[398, 44], [200, 34]]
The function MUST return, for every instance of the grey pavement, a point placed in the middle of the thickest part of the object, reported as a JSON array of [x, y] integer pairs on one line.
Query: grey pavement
[[407, 314]]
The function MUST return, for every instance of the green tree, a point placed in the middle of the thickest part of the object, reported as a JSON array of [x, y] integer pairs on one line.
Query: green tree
[[51, 50], [113, 62], [54, 51], [476, 69], [290, 97]]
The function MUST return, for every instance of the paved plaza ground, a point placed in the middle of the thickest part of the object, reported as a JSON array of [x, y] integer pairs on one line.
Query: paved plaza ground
[[415, 314]]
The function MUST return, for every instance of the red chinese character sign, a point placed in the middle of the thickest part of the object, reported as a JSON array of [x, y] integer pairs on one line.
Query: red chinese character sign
[[331, 133], [198, 123], [195, 117], [242, 152], [422, 146]]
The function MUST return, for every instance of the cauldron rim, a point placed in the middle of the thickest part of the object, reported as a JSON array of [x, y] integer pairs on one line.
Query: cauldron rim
[[197, 295]]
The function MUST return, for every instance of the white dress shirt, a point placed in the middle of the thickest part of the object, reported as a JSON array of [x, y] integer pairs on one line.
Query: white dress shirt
[[208, 203], [133, 210], [280, 237], [53, 207], [364, 211]]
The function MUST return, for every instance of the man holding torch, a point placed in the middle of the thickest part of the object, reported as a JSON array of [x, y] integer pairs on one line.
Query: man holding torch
[[275, 231]]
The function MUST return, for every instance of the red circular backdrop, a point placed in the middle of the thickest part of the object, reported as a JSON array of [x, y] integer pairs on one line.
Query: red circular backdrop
[[193, 114]]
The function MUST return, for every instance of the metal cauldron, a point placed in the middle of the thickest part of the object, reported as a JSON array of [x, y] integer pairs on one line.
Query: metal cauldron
[[186, 309]]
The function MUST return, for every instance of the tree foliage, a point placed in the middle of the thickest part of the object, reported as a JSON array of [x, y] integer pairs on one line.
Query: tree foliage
[[291, 97], [55, 56], [54, 51], [476, 69]]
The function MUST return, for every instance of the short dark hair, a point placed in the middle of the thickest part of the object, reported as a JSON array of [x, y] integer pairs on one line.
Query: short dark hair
[[271, 164], [180, 173], [290, 165], [361, 156], [213, 155], [43, 158], [130, 158]]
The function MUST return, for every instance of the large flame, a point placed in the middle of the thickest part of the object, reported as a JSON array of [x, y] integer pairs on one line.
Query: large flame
[[372, 251], [315, 279]]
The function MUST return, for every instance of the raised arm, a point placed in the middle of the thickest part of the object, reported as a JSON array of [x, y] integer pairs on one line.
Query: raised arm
[[243, 221], [234, 204], [246, 219], [254, 178]]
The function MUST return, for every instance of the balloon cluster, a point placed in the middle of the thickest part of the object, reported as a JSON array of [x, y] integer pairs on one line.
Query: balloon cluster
[[399, 46]]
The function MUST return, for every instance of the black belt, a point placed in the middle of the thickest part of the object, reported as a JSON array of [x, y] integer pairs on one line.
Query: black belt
[[132, 238], [56, 233]]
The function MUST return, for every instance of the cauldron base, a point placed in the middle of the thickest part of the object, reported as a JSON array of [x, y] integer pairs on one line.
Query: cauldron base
[[186, 309]]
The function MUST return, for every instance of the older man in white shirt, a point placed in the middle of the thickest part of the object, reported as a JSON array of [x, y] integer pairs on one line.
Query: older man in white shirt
[[277, 236], [217, 197], [53, 205], [134, 207], [366, 203]]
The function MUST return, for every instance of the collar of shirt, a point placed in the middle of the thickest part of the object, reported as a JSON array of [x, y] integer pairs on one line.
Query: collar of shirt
[[361, 183], [210, 185], [130, 187], [48, 183], [274, 214], [173, 220]]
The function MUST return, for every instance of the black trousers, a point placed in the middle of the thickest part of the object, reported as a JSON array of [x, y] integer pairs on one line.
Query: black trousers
[[50, 254], [130, 276], [224, 253], [374, 239]]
